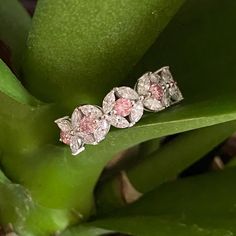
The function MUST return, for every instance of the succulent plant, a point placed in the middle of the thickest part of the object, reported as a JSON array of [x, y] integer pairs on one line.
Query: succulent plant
[[73, 52]]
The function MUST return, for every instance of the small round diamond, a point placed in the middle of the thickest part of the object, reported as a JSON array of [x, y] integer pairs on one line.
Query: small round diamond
[[156, 91], [123, 107], [88, 125]]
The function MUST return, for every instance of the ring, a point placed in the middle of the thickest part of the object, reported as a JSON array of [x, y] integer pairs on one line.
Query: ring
[[122, 107]]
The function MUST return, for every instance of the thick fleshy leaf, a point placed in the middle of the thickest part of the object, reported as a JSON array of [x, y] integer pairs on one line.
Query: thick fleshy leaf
[[42, 170], [201, 107], [197, 65], [196, 73], [11, 86], [164, 164], [202, 205], [23, 122], [14, 26], [90, 46], [156, 226], [85, 230], [27, 217]]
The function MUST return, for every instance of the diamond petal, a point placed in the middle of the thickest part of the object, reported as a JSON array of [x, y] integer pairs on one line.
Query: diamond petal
[[175, 94], [108, 102], [76, 145], [143, 84], [136, 112], [166, 75], [153, 104], [102, 130], [126, 92], [64, 124], [166, 100], [118, 121], [90, 110], [87, 138], [76, 117], [155, 78]]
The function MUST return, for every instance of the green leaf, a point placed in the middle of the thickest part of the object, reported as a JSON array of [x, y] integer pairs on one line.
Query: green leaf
[[27, 217], [232, 163], [156, 226], [85, 230], [199, 60], [24, 121], [201, 205], [177, 155], [11, 86], [203, 106], [90, 42], [14, 26], [3, 178], [164, 164]]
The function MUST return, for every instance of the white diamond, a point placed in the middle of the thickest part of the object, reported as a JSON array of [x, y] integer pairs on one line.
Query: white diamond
[[92, 111], [108, 102], [166, 100], [175, 94], [153, 104], [143, 84], [166, 75], [126, 92], [102, 130], [64, 124], [155, 78], [76, 117], [118, 121], [136, 112], [87, 138], [76, 145]]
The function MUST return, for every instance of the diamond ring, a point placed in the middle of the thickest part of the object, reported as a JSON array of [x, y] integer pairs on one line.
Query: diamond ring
[[122, 107]]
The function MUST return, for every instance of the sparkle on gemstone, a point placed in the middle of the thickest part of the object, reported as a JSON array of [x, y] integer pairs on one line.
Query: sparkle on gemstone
[[136, 112], [88, 124], [65, 137], [118, 121], [156, 91], [123, 107]]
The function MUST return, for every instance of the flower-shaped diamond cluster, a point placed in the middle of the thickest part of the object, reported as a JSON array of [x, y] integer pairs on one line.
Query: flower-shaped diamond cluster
[[158, 90], [122, 107], [86, 126]]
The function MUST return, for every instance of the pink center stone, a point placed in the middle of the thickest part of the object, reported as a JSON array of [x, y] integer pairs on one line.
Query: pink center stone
[[156, 91], [65, 137], [87, 125], [123, 107]]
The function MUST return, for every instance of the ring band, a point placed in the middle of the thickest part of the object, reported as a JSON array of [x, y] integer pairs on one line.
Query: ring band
[[122, 107]]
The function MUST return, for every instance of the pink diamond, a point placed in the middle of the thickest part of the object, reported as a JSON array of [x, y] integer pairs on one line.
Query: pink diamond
[[156, 91], [88, 125], [65, 137], [123, 107]]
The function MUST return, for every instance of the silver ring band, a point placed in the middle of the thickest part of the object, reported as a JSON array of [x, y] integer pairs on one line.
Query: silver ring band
[[122, 107]]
